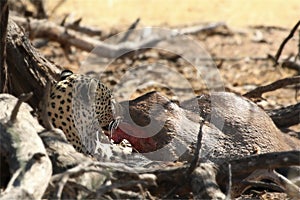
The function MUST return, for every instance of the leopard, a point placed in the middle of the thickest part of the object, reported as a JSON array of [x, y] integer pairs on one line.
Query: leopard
[[81, 106]]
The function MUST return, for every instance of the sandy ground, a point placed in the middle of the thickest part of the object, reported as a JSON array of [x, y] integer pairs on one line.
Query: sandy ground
[[236, 13]]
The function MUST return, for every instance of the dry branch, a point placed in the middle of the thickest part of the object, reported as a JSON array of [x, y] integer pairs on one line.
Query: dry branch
[[283, 117], [256, 167], [282, 183], [291, 65], [14, 113], [291, 34], [286, 116], [47, 29], [82, 29], [130, 30], [24, 151], [193, 30], [196, 160], [261, 161], [256, 93]]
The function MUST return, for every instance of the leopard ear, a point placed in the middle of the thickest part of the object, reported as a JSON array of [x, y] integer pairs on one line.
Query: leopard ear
[[65, 73]]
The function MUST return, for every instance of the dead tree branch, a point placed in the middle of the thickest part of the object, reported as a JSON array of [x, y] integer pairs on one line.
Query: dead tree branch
[[291, 34], [82, 29], [46, 29], [256, 93], [246, 168], [261, 161], [130, 30], [196, 160], [282, 182], [286, 116], [193, 30], [24, 152], [22, 98]]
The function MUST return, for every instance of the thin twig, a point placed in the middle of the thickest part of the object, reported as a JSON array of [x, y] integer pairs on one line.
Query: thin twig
[[290, 188], [91, 31], [23, 97], [63, 178], [257, 92], [130, 30], [284, 42], [104, 189], [193, 30], [228, 196], [171, 192], [127, 194], [196, 160]]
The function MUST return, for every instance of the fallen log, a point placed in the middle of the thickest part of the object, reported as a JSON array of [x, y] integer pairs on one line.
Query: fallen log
[[68, 37], [28, 70], [21, 147], [47, 29]]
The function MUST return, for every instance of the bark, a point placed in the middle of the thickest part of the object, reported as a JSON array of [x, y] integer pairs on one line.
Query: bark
[[286, 116], [3, 30], [28, 70], [29, 165]]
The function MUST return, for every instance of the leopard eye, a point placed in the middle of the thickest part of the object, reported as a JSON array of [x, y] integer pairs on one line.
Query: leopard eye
[[65, 73]]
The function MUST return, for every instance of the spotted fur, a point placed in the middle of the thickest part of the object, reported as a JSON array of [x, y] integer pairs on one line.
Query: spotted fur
[[80, 106]]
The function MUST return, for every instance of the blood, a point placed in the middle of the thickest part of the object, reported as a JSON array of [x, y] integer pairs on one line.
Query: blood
[[138, 138]]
